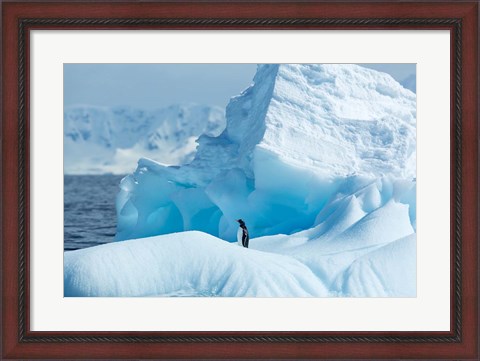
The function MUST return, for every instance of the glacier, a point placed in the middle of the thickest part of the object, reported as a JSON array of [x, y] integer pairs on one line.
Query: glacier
[[320, 162], [99, 140]]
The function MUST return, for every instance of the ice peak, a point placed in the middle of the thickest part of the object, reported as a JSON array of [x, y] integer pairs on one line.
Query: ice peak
[[335, 119]]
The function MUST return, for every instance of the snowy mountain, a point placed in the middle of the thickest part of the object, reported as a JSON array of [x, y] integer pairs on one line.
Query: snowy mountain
[[111, 140], [320, 162]]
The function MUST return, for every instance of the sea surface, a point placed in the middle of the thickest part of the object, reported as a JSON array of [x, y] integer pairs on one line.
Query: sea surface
[[89, 210]]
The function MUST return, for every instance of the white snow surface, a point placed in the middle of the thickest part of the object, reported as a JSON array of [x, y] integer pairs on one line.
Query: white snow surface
[[100, 140], [185, 264], [318, 160]]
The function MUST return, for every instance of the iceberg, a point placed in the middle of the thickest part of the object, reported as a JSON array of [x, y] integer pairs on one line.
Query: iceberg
[[292, 141]]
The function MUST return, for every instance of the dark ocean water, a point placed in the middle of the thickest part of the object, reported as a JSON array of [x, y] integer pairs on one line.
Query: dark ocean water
[[89, 210]]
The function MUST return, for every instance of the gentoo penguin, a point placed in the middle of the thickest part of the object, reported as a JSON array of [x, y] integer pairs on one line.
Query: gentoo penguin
[[242, 234]]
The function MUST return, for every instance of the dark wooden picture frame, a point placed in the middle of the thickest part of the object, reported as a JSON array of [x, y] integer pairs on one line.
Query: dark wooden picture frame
[[460, 18]]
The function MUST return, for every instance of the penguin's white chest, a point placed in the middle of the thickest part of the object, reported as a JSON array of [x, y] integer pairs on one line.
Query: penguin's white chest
[[240, 236]]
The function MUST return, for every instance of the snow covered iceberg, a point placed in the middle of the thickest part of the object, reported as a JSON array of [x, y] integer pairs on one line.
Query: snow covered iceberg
[[291, 142], [110, 140]]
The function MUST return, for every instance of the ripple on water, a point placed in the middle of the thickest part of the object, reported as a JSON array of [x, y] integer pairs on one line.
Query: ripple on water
[[89, 210]]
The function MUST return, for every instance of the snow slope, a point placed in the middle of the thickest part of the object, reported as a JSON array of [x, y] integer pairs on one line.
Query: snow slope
[[185, 264], [191, 264], [111, 140], [364, 244]]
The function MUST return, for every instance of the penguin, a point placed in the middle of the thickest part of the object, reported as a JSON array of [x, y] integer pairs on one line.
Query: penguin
[[242, 234]]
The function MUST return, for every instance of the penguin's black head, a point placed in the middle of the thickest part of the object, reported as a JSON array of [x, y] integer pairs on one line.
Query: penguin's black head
[[242, 223]]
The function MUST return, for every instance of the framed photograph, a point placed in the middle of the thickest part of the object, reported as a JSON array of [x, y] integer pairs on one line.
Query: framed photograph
[[240, 180]]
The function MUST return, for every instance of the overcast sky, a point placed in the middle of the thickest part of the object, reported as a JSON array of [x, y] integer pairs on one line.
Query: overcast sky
[[157, 85]]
